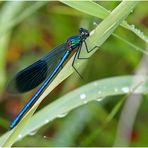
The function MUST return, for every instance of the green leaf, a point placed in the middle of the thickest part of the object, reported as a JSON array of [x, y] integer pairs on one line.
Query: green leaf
[[4, 38], [88, 7], [97, 10], [97, 38], [95, 91], [20, 17]]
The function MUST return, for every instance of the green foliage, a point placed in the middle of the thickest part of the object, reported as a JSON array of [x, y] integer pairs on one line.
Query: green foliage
[[58, 22]]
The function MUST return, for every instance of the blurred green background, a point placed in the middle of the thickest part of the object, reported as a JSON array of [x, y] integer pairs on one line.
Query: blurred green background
[[47, 27]]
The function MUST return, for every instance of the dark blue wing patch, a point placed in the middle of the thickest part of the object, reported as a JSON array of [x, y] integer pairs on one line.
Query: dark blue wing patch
[[28, 78]]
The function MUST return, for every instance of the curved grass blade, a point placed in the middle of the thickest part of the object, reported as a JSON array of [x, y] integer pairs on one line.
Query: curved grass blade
[[97, 38], [94, 9], [8, 11], [90, 92], [20, 17]]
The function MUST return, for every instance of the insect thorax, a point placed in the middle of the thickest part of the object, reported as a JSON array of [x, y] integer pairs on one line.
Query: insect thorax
[[73, 42]]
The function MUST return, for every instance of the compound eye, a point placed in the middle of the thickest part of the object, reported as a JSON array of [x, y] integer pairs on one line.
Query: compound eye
[[84, 33], [81, 30]]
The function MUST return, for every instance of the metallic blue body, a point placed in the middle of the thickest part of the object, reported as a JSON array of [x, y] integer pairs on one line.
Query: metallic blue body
[[75, 41]]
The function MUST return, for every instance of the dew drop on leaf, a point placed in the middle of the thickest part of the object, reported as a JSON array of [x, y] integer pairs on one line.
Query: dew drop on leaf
[[33, 132], [125, 89], [46, 121], [82, 96], [62, 115], [19, 136], [99, 99]]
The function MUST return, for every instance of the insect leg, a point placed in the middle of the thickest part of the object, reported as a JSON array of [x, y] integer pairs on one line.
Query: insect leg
[[88, 51]]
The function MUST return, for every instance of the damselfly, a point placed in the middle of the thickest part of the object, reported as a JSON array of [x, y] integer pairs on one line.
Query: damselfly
[[45, 69]]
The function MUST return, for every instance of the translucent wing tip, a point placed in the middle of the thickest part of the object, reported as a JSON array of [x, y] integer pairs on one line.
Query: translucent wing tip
[[12, 88]]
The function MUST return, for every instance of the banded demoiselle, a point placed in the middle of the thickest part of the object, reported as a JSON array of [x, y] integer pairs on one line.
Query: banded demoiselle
[[44, 70]]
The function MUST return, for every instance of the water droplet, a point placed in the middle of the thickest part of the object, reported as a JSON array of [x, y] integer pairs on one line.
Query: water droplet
[[99, 99], [19, 136], [125, 89], [82, 96], [45, 137], [33, 132], [46, 121], [133, 26], [95, 24], [62, 115], [131, 11]]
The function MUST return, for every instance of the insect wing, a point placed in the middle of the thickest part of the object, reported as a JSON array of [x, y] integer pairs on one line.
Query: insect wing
[[30, 77]]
